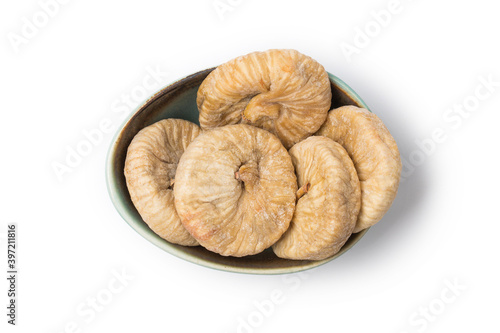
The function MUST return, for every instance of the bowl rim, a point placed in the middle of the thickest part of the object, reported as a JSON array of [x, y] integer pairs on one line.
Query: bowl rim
[[120, 205]]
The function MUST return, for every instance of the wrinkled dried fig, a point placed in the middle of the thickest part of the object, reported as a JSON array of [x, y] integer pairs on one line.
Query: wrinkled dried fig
[[375, 156], [150, 169], [235, 190], [328, 203], [282, 91]]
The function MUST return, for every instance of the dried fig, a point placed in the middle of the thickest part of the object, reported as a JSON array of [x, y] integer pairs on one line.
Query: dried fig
[[150, 169], [235, 190], [328, 203], [375, 156], [282, 91]]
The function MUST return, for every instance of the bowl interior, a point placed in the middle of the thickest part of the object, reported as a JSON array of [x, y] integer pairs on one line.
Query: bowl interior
[[178, 100]]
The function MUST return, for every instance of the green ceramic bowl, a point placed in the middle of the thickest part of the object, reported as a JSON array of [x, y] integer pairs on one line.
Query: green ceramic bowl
[[178, 100]]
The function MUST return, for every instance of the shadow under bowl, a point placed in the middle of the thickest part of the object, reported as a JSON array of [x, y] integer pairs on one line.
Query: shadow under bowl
[[178, 100]]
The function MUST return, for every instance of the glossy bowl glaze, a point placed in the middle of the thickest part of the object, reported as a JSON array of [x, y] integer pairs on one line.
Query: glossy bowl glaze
[[178, 100]]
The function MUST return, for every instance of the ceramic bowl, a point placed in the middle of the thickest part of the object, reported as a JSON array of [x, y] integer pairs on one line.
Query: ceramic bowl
[[178, 100]]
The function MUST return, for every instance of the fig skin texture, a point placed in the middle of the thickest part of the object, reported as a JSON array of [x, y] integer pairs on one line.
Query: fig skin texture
[[235, 190], [329, 199], [282, 91], [150, 169], [375, 155]]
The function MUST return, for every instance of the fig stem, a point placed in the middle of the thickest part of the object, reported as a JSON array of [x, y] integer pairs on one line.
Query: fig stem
[[172, 182], [248, 175], [303, 190]]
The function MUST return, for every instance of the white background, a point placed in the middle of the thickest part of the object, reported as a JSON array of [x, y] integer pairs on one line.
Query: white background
[[442, 229]]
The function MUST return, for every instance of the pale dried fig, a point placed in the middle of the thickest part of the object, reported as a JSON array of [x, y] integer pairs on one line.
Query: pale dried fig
[[375, 155], [282, 91], [235, 190], [328, 203], [150, 169]]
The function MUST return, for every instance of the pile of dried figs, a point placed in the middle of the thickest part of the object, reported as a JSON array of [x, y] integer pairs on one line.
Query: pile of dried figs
[[270, 166]]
